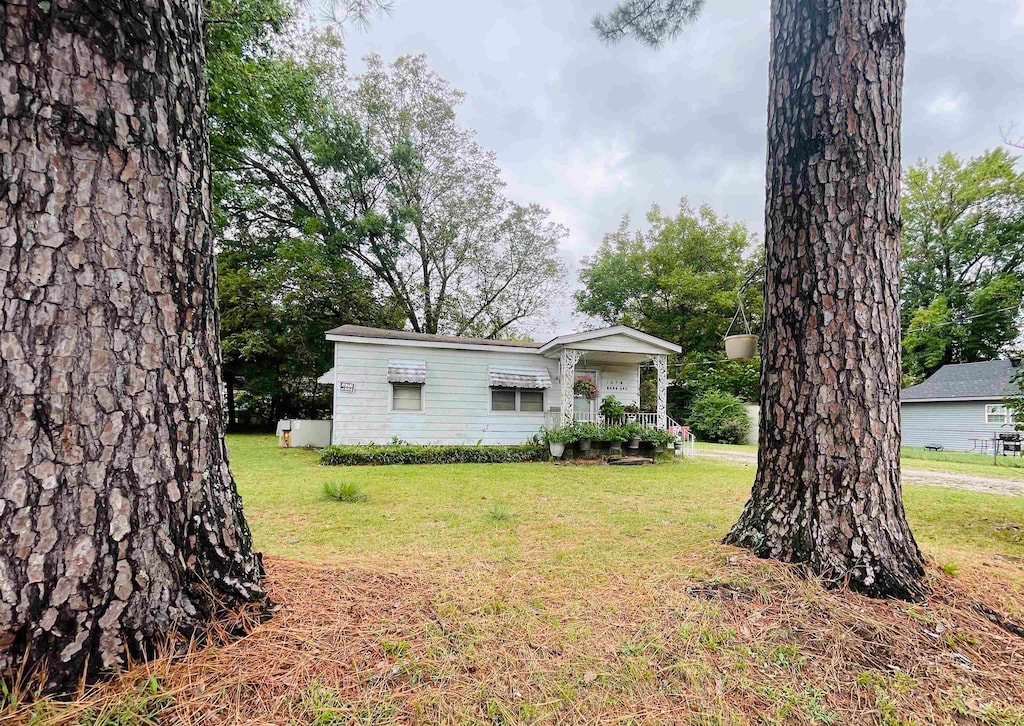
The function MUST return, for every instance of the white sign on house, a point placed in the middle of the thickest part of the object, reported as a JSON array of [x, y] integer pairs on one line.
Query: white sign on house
[[346, 387]]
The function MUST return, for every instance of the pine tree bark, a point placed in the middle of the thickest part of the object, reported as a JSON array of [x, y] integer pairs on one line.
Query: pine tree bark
[[119, 518], [827, 490]]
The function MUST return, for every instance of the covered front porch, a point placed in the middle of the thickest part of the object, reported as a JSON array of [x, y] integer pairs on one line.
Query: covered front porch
[[611, 360]]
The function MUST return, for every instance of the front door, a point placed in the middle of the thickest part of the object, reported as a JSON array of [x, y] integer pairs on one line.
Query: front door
[[585, 409]]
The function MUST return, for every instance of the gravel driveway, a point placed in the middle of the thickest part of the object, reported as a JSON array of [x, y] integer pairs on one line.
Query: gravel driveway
[[911, 474]]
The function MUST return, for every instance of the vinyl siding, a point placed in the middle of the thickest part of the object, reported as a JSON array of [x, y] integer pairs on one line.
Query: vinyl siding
[[950, 424], [456, 396]]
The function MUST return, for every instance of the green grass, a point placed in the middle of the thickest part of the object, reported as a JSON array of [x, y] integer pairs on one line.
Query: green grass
[[579, 521]]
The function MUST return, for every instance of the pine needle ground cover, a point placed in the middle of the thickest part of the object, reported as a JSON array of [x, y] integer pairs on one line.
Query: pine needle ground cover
[[600, 595]]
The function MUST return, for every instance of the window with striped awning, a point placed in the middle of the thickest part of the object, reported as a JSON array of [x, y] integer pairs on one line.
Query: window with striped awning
[[407, 371], [519, 377]]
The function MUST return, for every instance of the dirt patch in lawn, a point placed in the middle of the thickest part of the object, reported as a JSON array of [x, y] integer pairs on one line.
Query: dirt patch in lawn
[[721, 637]]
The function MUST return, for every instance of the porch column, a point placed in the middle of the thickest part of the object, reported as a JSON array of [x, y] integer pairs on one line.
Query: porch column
[[566, 379], [661, 366]]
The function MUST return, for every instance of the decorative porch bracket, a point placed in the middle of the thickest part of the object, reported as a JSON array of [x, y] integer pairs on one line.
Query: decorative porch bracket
[[567, 379], [661, 366]]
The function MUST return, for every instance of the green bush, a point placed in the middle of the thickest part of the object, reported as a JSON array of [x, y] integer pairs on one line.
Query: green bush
[[589, 431], [413, 454], [719, 417]]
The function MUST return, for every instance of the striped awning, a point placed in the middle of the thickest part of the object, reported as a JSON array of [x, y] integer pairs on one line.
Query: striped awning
[[512, 377], [407, 371]]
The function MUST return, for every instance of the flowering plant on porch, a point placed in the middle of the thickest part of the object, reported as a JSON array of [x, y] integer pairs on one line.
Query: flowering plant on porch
[[584, 387]]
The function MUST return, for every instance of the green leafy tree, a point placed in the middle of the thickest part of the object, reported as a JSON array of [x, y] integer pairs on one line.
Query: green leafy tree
[[281, 283], [676, 279], [963, 269]]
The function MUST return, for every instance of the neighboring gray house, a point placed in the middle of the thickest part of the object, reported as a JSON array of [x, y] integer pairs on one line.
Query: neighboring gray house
[[960, 406], [440, 389]]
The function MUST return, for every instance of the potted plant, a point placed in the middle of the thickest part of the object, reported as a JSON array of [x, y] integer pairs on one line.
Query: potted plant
[[586, 433], [612, 408], [660, 439], [584, 387], [557, 439], [615, 436], [634, 432], [631, 408]]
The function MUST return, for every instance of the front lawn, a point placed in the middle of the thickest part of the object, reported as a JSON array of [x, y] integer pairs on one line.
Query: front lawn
[[536, 593]]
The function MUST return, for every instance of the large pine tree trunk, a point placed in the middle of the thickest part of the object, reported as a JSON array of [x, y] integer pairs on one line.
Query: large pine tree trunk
[[827, 490], [119, 518]]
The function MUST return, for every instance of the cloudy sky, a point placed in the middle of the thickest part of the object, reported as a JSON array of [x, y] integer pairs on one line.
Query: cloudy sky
[[593, 131]]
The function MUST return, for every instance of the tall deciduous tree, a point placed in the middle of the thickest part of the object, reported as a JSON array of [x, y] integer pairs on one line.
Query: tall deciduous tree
[[963, 251], [382, 174], [119, 518], [827, 490]]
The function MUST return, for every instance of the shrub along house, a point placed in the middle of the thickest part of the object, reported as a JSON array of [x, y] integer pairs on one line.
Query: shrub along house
[[960, 407], [438, 389]]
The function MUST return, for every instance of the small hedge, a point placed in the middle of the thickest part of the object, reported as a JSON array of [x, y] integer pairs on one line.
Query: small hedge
[[411, 454]]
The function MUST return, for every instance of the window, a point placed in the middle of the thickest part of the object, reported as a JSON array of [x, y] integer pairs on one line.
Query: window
[[406, 397], [996, 413], [513, 399], [503, 399], [531, 401]]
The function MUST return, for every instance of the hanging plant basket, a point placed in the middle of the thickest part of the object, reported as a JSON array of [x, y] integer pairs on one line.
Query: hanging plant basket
[[741, 347], [744, 345], [585, 387]]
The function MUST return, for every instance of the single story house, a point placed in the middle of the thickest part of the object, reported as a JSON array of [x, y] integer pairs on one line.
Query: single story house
[[960, 407], [441, 389]]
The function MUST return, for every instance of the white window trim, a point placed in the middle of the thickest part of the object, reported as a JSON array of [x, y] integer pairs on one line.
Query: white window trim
[[391, 399], [999, 413], [519, 402]]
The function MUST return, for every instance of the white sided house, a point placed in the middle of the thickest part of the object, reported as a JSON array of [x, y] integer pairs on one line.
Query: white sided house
[[439, 389]]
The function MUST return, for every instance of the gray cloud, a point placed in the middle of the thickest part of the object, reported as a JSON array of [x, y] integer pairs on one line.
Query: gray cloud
[[594, 131]]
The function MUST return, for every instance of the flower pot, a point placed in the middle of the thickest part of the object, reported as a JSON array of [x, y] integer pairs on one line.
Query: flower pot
[[616, 447], [634, 443], [659, 448], [740, 347], [584, 444], [557, 448]]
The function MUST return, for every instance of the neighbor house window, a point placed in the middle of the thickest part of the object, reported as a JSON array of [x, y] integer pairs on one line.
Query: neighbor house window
[[996, 413], [406, 397], [513, 399]]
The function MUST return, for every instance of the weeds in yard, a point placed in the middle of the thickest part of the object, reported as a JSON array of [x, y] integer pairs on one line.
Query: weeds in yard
[[499, 511], [344, 491]]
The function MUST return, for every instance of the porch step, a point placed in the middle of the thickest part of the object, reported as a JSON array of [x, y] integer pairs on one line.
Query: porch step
[[629, 460]]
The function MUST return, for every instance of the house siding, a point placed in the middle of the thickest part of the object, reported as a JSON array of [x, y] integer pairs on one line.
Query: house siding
[[950, 424], [456, 395]]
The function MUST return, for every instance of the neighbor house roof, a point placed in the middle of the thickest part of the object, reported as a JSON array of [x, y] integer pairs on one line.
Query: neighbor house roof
[[987, 380], [362, 331]]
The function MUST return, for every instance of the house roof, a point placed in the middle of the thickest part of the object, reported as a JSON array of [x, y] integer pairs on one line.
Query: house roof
[[625, 330], [986, 380], [362, 331], [381, 335]]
